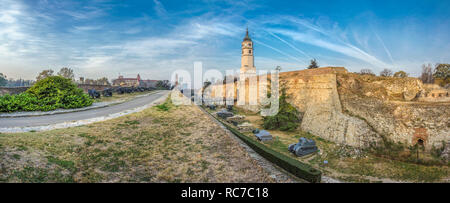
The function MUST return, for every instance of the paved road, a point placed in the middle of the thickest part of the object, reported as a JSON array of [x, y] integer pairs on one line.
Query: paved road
[[80, 115]]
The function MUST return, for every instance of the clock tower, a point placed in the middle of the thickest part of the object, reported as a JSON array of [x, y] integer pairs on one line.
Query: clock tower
[[247, 60]]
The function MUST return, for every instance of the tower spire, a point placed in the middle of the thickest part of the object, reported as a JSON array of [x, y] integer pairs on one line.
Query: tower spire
[[247, 38]]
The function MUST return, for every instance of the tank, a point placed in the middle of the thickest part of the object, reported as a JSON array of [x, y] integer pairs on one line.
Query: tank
[[303, 147], [108, 92], [93, 94], [224, 114], [263, 135]]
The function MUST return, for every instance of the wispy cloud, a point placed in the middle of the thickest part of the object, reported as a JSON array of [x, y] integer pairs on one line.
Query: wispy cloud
[[159, 9], [103, 38]]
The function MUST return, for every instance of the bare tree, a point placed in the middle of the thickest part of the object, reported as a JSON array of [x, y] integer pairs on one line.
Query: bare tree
[[366, 72], [427, 73], [44, 74], [386, 73], [67, 73]]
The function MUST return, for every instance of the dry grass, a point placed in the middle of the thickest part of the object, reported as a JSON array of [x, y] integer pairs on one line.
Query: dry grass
[[177, 145], [346, 165]]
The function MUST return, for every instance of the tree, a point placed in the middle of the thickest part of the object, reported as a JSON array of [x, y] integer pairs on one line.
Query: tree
[[163, 84], [44, 74], [66, 73], [401, 74], [89, 81], [3, 80], [103, 81], [442, 74], [313, 64], [427, 73], [287, 118], [386, 73], [366, 72]]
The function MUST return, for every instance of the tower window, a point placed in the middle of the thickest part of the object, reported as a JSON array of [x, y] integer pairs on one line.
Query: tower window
[[249, 51]]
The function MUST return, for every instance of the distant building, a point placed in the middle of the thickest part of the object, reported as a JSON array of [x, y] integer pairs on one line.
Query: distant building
[[134, 82], [148, 83]]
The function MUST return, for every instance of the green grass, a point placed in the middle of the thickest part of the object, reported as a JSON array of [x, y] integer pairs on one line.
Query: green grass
[[69, 165]]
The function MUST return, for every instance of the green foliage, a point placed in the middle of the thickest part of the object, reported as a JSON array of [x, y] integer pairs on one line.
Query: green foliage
[[400, 74], [287, 118], [442, 74], [295, 167], [437, 151], [165, 106], [47, 94]]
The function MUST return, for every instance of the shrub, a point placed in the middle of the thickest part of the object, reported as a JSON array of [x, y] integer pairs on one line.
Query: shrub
[[287, 118], [401, 74], [46, 95]]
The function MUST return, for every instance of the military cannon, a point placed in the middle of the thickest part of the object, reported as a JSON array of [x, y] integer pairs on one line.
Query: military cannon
[[120, 90], [303, 147], [224, 114], [262, 135], [94, 94], [108, 92], [212, 107]]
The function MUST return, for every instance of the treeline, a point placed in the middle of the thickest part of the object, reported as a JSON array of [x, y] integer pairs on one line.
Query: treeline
[[63, 72], [69, 74], [437, 74]]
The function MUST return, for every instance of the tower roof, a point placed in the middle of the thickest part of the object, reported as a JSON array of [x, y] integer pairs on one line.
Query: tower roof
[[247, 38]]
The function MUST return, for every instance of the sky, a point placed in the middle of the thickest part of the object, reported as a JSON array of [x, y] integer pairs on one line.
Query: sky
[[156, 37]]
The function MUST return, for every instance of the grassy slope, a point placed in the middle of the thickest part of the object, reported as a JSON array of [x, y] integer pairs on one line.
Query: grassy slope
[[151, 146]]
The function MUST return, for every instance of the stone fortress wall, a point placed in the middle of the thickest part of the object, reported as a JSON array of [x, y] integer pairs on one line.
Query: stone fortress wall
[[361, 111], [12, 90]]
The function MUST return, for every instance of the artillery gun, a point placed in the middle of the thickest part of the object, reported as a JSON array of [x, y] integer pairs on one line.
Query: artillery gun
[[108, 92], [94, 94], [303, 147], [262, 135], [224, 114]]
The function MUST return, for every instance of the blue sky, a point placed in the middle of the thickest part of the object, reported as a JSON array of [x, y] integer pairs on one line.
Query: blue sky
[[155, 37]]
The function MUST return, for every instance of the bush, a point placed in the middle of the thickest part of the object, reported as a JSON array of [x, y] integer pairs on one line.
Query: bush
[[47, 94], [287, 118], [401, 74]]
